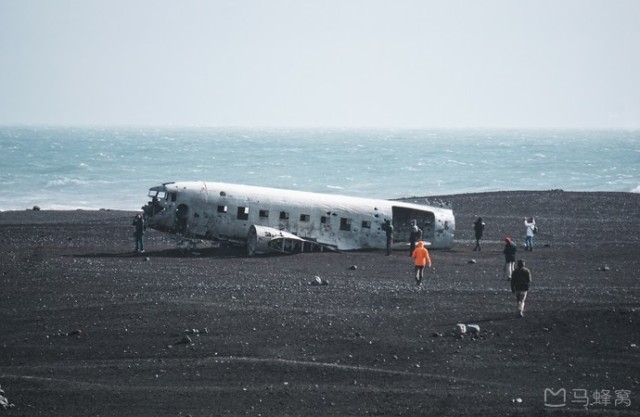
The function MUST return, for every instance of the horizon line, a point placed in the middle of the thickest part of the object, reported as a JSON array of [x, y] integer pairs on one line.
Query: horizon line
[[308, 127]]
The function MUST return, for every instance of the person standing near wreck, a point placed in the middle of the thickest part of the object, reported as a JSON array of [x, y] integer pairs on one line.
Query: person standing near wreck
[[530, 230], [520, 280], [421, 259], [478, 228], [388, 229], [509, 251], [414, 236], [138, 222]]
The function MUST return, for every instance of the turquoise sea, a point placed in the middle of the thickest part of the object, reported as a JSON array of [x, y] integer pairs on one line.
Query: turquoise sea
[[92, 168]]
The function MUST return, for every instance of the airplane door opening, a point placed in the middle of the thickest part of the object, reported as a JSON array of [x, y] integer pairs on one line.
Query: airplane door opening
[[402, 218], [181, 219]]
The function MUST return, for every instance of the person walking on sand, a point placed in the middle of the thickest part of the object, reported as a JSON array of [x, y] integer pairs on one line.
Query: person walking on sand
[[509, 256], [520, 280], [388, 229], [414, 236], [420, 259], [138, 222], [478, 228], [530, 230]]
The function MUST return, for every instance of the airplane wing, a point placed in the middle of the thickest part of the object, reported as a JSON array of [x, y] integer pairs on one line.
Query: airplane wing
[[262, 239]]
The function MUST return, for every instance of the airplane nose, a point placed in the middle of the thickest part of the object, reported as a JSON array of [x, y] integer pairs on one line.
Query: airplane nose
[[152, 208]]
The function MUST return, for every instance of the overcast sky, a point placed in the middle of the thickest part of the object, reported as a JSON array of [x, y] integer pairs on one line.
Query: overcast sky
[[339, 63]]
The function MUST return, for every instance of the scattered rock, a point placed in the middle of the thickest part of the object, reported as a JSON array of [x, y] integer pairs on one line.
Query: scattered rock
[[319, 281], [4, 401], [473, 329], [472, 261], [605, 268], [186, 340], [353, 267], [36, 208], [197, 332]]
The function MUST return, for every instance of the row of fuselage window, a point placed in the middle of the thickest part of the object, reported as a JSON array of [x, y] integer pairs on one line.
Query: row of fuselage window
[[345, 223]]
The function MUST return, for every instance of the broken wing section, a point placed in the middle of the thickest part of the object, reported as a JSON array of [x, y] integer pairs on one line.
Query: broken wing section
[[263, 239]]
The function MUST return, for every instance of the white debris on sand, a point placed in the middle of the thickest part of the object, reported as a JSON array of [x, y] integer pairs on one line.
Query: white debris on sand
[[4, 401]]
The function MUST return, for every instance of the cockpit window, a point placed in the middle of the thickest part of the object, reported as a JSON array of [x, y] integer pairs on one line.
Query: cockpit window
[[157, 195]]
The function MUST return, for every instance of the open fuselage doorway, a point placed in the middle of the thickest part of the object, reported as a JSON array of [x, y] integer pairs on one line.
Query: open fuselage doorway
[[402, 222]]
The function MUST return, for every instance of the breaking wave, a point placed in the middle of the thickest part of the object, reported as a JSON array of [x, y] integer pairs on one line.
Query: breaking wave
[[61, 182]]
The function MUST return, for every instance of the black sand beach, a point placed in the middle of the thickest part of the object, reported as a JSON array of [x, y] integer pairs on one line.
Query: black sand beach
[[88, 328]]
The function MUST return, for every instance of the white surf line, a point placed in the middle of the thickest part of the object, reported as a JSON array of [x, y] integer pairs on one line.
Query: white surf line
[[209, 387], [243, 359], [55, 380], [357, 368]]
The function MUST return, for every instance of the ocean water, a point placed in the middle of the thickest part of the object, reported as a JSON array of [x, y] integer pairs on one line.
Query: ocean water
[[93, 168]]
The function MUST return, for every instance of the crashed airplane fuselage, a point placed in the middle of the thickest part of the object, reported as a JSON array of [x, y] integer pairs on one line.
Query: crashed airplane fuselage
[[288, 221]]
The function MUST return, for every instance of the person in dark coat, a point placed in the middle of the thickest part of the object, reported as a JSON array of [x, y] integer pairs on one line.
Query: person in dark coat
[[414, 236], [478, 228], [388, 228], [509, 256], [138, 222], [520, 280]]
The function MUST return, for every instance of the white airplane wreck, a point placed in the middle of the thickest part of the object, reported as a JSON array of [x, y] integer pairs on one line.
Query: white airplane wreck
[[287, 221]]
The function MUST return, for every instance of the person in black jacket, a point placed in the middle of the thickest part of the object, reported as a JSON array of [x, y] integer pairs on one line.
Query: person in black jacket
[[388, 229], [520, 280], [509, 256], [414, 236], [478, 228], [138, 222]]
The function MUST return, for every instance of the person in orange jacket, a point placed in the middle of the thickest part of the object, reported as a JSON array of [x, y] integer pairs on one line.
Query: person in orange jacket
[[421, 259]]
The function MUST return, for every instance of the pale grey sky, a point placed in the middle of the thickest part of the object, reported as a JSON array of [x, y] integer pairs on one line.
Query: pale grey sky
[[348, 63]]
